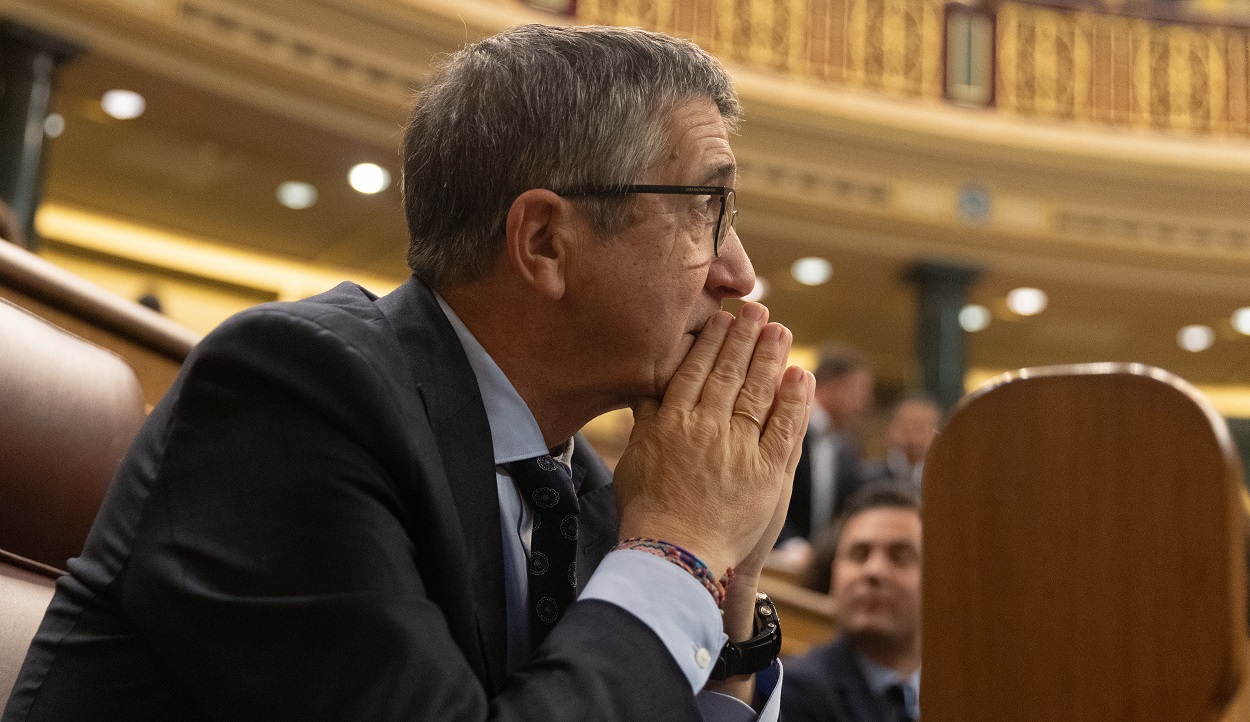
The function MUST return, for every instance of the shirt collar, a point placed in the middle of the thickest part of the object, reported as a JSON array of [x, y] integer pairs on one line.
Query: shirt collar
[[819, 423], [881, 678], [513, 430]]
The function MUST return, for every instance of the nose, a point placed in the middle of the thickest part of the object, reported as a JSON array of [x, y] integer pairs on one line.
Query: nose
[[731, 274], [877, 565]]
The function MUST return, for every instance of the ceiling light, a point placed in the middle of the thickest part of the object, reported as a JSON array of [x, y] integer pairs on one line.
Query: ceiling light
[[1241, 320], [54, 125], [297, 195], [369, 178], [123, 104], [1027, 301], [1195, 338], [973, 318], [811, 271], [759, 291]]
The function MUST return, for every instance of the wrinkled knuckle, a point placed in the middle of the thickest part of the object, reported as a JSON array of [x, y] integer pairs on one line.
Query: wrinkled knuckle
[[753, 396], [703, 429], [689, 372], [722, 375], [786, 425]]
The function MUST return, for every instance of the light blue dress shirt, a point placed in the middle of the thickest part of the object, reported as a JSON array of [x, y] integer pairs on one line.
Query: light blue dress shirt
[[665, 597]]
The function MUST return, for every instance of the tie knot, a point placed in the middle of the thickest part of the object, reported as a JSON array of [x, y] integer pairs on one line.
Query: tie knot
[[545, 483]]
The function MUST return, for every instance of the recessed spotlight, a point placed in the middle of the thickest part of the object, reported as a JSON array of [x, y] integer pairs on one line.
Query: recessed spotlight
[[123, 104], [54, 125], [973, 318], [1027, 301], [1241, 320], [759, 291], [1196, 338], [297, 195], [369, 178], [811, 271]]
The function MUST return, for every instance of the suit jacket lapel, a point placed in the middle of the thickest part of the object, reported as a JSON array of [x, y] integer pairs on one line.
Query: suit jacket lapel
[[453, 403], [855, 698]]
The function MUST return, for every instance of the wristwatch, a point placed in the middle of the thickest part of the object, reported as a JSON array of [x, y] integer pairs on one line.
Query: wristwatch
[[757, 653]]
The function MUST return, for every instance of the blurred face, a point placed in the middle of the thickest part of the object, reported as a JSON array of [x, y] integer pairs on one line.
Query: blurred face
[[876, 576], [642, 297], [846, 397], [912, 429]]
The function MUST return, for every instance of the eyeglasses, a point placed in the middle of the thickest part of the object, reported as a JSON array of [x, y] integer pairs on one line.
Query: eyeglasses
[[725, 194]]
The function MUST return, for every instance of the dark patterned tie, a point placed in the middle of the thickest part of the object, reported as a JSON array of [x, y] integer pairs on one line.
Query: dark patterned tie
[[897, 698], [548, 488]]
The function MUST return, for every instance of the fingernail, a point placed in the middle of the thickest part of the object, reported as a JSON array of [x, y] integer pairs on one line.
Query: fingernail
[[753, 311], [772, 333], [720, 319]]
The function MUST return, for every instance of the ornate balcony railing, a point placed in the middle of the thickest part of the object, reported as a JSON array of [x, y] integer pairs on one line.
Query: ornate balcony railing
[[1117, 70], [1051, 63], [891, 46]]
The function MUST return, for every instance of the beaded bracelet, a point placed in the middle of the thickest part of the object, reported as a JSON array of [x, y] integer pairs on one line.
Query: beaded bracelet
[[683, 559]]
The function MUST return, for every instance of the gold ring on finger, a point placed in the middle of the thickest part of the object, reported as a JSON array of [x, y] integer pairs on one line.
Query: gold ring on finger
[[758, 424]]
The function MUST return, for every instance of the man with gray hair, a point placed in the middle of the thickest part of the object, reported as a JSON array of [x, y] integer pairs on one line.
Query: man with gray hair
[[376, 508]]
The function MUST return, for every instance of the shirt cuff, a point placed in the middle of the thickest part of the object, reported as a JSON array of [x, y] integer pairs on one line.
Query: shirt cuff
[[670, 601], [717, 707]]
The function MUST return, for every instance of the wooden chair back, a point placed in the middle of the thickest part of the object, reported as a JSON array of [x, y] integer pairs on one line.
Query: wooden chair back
[[1084, 553]]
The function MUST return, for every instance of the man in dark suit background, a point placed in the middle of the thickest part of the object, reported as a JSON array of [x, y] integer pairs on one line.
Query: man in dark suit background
[[327, 517], [871, 672], [829, 469], [913, 427]]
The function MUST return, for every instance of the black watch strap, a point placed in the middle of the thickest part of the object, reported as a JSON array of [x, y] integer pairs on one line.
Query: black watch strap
[[757, 653]]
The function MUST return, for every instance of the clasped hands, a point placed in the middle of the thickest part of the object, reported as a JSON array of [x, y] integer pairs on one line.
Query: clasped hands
[[701, 476]]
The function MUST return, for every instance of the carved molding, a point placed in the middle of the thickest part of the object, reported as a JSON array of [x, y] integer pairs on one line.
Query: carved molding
[[765, 182], [1155, 233], [350, 66], [319, 56], [817, 186]]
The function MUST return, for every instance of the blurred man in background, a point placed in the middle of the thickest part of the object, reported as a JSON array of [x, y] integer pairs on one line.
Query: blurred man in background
[[828, 472], [913, 426], [871, 672]]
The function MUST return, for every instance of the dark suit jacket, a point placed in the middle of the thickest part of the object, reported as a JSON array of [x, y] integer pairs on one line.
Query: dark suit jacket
[[799, 514], [307, 527], [825, 685]]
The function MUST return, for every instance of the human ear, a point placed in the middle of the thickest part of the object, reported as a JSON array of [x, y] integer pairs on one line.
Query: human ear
[[536, 222]]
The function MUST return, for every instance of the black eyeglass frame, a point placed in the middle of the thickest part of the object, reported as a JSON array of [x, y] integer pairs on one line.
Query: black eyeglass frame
[[725, 193]]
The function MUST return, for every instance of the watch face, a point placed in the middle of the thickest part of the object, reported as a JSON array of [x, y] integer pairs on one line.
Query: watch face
[[755, 654]]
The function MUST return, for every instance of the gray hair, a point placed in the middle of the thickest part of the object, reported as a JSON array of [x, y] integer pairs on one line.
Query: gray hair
[[540, 107]]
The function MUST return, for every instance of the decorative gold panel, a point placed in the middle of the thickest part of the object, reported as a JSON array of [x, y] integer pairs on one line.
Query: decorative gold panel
[[1070, 65], [1051, 63], [890, 46]]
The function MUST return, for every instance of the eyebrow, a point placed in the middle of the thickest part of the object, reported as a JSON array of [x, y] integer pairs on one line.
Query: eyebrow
[[725, 171]]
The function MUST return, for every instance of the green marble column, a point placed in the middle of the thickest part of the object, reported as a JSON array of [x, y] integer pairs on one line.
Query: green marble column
[[29, 60], [941, 291]]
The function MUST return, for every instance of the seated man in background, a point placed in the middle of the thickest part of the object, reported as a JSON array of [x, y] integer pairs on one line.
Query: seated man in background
[[354, 507], [913, 426], [871, 672]]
